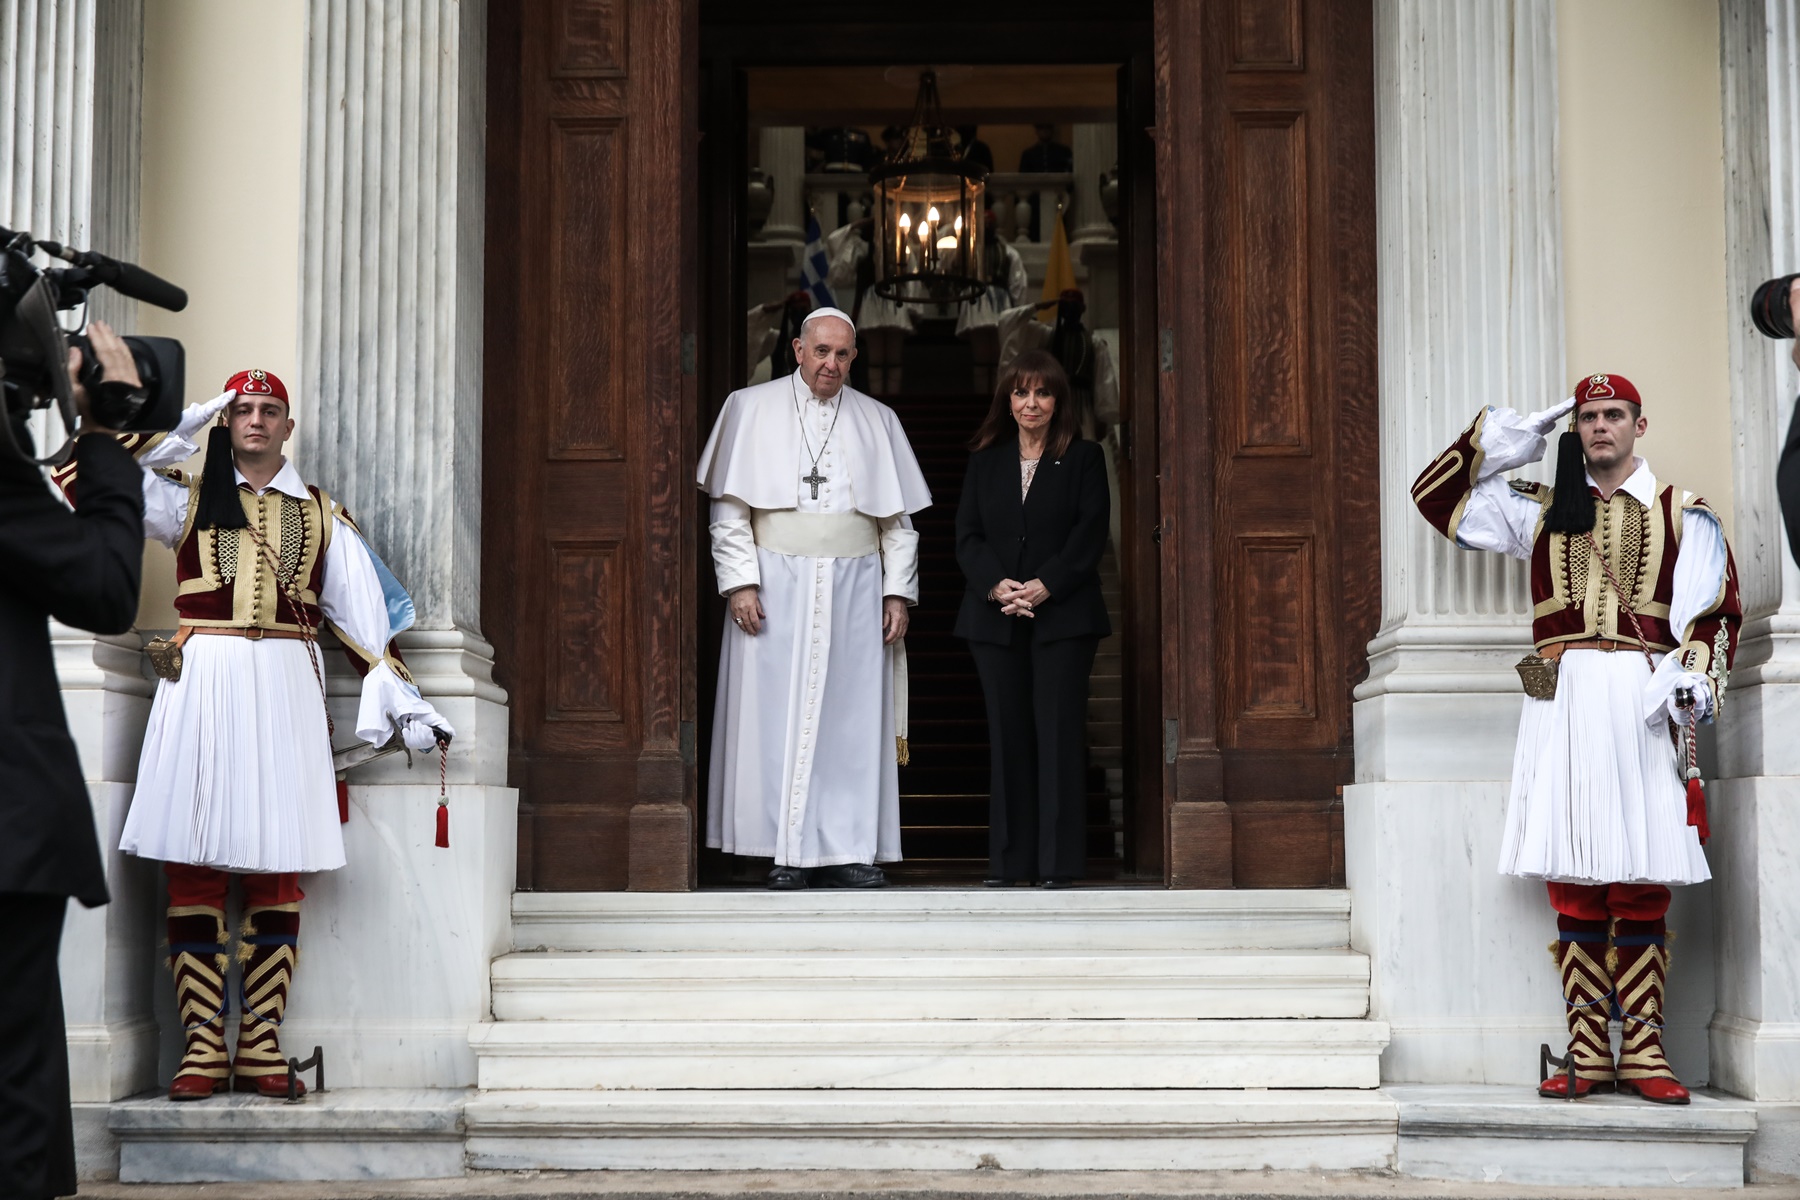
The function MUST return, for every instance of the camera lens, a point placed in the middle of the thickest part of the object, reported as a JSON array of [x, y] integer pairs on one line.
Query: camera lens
[[1769, 308]]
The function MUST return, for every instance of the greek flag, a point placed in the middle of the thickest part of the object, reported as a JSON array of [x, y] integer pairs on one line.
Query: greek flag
[[813, 265]]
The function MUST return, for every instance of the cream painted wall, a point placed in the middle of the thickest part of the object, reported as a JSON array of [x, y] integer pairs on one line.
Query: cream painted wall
[[1642, 178], [221, 199]]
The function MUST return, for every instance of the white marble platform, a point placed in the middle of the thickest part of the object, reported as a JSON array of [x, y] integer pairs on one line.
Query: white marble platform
[[985, 1054], [918, 985], [1493, 1134], [352, 1133], [1509, 1135], [948, 919], [932, 1130]]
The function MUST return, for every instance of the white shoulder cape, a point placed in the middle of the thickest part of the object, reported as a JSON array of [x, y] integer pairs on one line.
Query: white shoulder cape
[[754, 452]]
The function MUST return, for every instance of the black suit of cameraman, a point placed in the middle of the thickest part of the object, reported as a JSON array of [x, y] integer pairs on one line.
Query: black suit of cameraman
[[81, 568], [1787, 473]]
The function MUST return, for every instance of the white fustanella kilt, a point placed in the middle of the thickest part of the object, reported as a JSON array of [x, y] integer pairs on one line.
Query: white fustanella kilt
[[236, 771], [1596, 794]]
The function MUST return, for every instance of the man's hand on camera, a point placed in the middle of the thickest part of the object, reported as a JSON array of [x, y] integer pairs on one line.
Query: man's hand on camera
[[116, 366]]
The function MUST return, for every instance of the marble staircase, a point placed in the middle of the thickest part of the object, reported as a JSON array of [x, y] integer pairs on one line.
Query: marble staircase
[[928, 1029], [888, 1006]]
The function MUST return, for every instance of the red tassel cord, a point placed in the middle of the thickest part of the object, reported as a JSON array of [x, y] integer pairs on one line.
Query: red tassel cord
[[1696, 794], [443, 805], [343, 791], [1696, 797]]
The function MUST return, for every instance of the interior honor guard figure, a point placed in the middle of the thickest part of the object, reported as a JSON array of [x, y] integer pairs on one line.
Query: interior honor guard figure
[[1635, 621], [236, 776]]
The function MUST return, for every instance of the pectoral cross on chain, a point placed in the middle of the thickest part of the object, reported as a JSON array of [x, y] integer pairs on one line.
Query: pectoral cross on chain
[[815, 479]]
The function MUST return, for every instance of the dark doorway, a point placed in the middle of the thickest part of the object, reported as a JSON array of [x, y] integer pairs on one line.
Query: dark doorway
[[838, 82]]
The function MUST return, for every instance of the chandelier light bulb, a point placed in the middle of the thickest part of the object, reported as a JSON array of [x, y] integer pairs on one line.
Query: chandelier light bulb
[[905, 220], [932, 216]]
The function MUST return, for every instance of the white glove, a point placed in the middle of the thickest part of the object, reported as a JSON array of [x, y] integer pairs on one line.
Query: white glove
[[180, 444], [420, 731], [1701, 687], [194, 419], [1541, 423]]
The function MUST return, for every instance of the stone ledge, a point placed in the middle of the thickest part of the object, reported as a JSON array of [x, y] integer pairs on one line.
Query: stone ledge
[[1509, 1135], [352, 1133]]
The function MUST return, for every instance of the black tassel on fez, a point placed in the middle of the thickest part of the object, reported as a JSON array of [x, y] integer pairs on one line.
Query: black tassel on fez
[[1572, 507], [219, 506]]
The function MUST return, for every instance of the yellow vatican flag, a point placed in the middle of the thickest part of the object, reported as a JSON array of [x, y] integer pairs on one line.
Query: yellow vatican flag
[[1059, 273]]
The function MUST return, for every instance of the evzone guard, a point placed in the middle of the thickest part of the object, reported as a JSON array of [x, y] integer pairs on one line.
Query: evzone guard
[[236, 776], [1635, 620]]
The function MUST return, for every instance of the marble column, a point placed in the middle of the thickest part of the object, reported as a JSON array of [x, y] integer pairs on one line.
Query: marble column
[[70, 101], [1469, 265], [1756, 803], [773, 256], [782, 154], [1095, 151], [390, 417]]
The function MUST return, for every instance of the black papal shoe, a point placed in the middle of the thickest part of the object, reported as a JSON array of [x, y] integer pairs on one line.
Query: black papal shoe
[[851, 875], [787, 879]]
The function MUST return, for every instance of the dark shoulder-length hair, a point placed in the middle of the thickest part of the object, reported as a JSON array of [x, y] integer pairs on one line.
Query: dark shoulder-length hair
[[1031, 369]]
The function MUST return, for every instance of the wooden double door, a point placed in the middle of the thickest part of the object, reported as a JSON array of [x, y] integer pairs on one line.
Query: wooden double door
[[1250, 545]]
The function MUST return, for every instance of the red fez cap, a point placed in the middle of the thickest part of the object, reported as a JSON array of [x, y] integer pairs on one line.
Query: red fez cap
[[257, 382], [1606, 387]]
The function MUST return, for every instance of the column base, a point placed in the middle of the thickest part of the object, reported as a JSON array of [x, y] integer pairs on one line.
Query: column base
[[1458, 959]]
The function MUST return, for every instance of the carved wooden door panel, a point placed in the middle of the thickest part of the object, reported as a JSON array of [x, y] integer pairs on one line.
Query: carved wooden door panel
[[1270, 392], [586, 494]]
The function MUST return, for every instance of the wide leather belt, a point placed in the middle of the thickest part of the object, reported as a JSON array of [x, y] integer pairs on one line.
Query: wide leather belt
[[253, 632], [1556, 650], [815, 535]]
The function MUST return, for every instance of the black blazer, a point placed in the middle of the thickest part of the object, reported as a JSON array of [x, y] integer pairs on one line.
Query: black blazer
[[82, 568], [1058, 535]]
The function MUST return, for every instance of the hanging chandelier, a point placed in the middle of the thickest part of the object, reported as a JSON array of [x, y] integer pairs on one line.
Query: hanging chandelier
[[930, 206]]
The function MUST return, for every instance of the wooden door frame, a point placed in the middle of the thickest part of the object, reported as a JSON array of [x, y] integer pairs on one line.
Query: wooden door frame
[[1207, 787], [646, 55]]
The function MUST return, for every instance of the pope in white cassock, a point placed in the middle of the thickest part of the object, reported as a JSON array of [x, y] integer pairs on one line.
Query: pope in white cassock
[[812, 486]]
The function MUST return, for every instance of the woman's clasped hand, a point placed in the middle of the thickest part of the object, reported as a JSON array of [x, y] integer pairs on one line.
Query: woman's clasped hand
[[1019, 599]]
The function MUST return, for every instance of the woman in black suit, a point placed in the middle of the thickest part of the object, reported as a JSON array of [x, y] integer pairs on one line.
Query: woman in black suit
[[1035, 508]]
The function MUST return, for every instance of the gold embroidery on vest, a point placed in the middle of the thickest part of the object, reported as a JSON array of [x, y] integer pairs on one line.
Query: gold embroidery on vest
[[224, 543]]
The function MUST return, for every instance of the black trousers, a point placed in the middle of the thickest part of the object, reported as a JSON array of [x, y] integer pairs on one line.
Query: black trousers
[[1037, 696], [37, 1134]]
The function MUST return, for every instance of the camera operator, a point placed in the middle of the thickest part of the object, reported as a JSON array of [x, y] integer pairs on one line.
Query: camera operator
[[1787, 474], [82, 568]]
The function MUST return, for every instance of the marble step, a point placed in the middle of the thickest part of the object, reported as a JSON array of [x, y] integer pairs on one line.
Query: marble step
[[985, 919], [1508, 1135], [342, 1134], [984, 1054], [888, 1130], [923, 985]]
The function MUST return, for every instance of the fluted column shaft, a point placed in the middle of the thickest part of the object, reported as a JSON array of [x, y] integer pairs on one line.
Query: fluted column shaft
[[1095, 151], [71, 88], [782, 153], [1470, 262], [391, 318], [1756, 803]]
